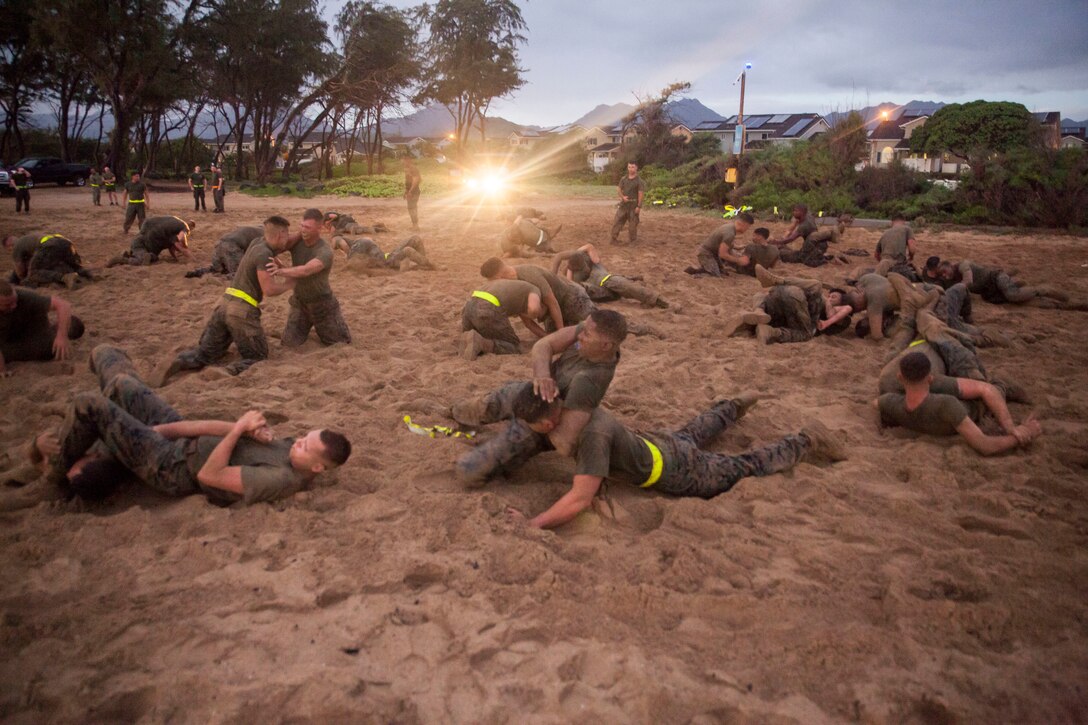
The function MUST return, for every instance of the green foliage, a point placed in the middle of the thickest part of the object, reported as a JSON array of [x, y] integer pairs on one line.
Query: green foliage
[[877, 186], [976, 129], [1027, 187]]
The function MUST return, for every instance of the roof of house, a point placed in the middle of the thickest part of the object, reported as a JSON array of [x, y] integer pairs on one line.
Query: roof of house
[[605, 147], [779, 125], [1048, 117], [891, 130]]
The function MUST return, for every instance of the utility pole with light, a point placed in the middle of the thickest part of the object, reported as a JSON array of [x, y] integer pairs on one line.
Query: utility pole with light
[[738, 132]]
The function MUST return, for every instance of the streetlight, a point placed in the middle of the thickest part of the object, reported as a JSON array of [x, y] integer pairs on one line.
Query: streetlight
[[738, 132]]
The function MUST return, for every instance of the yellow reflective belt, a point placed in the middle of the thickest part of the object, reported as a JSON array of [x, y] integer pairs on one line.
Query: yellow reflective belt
[[47, 237], [434, 431], [481, 295], [242, 296], [659, 464], [387, 255], [94, 186], [605, 279], [916, 342], [22, 187], [135, 201]]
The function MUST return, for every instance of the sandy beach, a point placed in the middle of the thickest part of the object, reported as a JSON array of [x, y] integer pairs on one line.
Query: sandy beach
[[915, 582]]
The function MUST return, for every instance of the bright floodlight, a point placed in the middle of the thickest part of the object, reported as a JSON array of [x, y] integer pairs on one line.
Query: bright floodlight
[[491, 183], [472, 183]]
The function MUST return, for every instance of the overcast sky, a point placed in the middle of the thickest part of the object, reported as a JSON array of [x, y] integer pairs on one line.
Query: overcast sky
[[807, 55]]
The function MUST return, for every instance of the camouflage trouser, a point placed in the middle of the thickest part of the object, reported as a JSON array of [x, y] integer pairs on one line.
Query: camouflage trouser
[[410, 250], [354, 228], [813, 250], [622, 287], [1002, 288], [794, 311], [198, 200], [691, 471], [710, 262], [96, 196], [947, 307], [22, 199], [954, 308], [217, 197], [625, 214], [323, 315], [226, 257], [232, 321], [108, 362], [515, 444], [122, 419], [413, 207], [492, 323], [576, 307], [897, 266], [38, 344], [133, 212], [42, 277]]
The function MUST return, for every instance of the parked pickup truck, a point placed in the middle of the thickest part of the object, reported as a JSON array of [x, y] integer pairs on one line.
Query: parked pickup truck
[[46, 170]]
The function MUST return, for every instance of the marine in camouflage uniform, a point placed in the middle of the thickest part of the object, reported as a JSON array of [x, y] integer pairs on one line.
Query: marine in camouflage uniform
[[813, 252], [489, 309], [603, 286], [313, 304], [673, 461], [345, 224], [56, 262], [525, 236], [135, 202], [228, 252], [365, 253], [157, 235], [631, 190], [96, 181]]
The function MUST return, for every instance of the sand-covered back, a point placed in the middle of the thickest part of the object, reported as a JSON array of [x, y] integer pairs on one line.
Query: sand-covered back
[[915, 582]]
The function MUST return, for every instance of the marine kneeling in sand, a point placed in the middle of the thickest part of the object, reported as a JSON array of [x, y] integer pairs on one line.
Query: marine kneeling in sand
[[237, 318], [796, 309], [226, 461], [45, 259], [935, 406], [526, 236], [485, 318], [670, 462]]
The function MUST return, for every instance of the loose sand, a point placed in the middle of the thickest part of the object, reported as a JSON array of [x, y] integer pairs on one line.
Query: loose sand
[[916, 582]]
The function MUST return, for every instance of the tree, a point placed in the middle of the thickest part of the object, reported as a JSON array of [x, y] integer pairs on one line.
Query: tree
[[976, 129], [472, 49], [380, 64], [848, 143], [22, 66], [652, 140], [270, 62], [129, 49]]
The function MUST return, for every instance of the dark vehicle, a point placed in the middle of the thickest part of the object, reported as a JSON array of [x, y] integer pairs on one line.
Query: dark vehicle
[[47, 170]]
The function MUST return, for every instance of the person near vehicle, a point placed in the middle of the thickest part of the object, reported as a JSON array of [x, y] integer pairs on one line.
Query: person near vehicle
[[20, 182], [96, 181]]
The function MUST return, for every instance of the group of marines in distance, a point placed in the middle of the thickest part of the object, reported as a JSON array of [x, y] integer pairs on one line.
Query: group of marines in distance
[[933, 380]]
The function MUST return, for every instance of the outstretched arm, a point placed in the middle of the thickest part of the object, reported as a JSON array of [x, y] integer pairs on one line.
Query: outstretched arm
[[273, 285], [560, 258], [989, 445], [576, 500], [971, 389], [64, 322]]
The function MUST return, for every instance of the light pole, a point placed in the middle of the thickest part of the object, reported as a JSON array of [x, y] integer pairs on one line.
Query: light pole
[[738, 131]]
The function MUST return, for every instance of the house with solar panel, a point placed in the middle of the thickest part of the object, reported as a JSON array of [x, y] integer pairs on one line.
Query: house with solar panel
[[765, 130]]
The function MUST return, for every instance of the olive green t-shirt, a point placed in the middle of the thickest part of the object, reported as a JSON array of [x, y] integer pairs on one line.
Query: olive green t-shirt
[[197, 180], [938, 415], [159, 233], [96, 179], [606, 448], [316, 286], [267, 473], [725, 234], [135, 190], [543, 280], [30, 316], [582, 383], [806, 227], [109, 179], [241, 237], [879, 293], [255, 260], [526, 233], [981, 277], [25, 247], [630, 188], [513, 294], [893, 243]]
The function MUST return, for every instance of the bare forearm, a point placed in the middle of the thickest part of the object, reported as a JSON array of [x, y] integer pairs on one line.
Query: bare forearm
[[220, 457], [193, 429], [991, 396], [562, 511]]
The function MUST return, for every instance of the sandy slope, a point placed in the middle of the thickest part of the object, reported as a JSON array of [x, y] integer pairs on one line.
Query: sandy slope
[[915, 582]]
